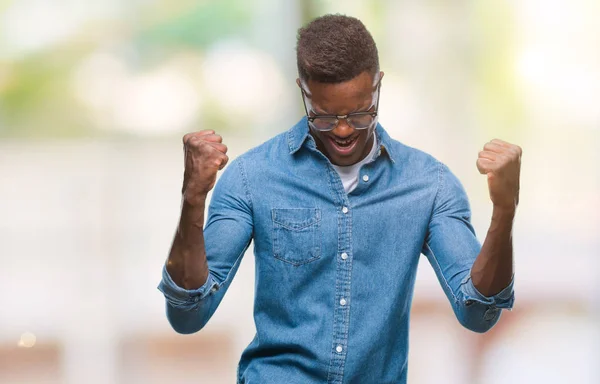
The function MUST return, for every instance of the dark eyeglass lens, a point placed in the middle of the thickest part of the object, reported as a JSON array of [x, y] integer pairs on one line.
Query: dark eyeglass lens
[[360, 121], [326, 123]]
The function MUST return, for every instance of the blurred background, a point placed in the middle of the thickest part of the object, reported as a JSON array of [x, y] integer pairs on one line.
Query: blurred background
[[94, 99]]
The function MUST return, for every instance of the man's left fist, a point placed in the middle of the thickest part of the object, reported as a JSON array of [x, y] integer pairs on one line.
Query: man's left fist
[[501, 161]]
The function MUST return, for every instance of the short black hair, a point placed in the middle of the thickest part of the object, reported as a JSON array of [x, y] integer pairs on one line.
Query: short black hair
[[334, 49]]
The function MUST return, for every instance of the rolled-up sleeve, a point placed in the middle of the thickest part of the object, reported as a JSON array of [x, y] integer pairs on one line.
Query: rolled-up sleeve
[[451, 248], [184, 299], [227, 235]]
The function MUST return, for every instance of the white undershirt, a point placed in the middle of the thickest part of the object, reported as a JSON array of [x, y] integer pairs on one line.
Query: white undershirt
[[349, 174]]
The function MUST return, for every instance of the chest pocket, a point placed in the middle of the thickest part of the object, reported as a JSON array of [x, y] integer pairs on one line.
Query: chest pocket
[[296, 235]]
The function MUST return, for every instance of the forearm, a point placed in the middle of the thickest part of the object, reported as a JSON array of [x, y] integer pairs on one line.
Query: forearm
[[493, 268], [187, 264]]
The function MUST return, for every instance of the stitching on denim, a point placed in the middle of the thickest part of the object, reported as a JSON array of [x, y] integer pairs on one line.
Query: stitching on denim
[[245, 182], [313, 221], [337, 194], [381, 136], [439, 189], [441, 273], [296, 263], [349, 304], [291, 144], [333, 191], [333, 328], [316, 225]]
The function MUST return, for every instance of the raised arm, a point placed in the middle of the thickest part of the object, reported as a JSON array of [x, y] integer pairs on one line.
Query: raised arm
[[204, 258], [205, 155], [493, 269], [478, 281]]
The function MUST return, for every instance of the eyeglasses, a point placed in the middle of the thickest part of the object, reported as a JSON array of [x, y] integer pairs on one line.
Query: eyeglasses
[[357, 120]]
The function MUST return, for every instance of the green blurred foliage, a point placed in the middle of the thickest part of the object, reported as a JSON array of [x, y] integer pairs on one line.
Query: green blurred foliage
[[195, 26], [36, 98], [36, 95]]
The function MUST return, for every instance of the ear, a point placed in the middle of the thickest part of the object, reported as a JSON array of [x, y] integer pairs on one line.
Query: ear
[[381, 75], [304, 90]]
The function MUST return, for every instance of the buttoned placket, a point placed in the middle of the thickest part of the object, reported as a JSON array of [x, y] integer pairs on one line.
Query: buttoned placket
[[343, 279]]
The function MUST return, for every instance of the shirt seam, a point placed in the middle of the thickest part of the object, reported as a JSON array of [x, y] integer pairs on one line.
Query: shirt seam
[[439, 187], [249, 197], [333, 186], [349, 305], [433, 256], [245, 182]]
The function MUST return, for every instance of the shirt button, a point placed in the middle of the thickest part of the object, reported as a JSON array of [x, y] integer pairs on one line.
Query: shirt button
[[343, 302], [339, 349], [345, 209], [366, 178], [344, 256]]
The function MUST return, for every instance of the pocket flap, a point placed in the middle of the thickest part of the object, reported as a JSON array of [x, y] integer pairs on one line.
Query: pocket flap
[[296, 218]]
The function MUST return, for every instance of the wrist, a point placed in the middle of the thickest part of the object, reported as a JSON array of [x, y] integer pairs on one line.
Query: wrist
[[194, 200], [192, 208], [504, 211]]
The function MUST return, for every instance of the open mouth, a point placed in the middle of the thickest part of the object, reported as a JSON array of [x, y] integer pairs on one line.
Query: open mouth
[[344, 146]]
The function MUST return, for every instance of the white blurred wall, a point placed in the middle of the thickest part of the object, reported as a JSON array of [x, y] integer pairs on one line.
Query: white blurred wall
[[85, 225]]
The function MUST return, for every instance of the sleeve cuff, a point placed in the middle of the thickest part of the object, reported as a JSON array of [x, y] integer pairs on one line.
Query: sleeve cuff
[[504, 299], [182, 298]]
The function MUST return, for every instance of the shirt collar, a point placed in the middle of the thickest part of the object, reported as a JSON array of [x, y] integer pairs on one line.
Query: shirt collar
[[299, 133]]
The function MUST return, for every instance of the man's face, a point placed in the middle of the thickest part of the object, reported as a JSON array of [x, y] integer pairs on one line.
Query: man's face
[[342, 145]]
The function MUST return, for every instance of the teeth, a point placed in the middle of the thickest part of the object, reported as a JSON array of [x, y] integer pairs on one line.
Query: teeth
[[344, 142]]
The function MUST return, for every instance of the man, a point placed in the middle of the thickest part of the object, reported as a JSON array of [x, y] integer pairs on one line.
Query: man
[[339, 213]]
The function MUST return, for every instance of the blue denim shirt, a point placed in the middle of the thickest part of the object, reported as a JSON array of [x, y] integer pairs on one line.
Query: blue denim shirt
[[335, 272]]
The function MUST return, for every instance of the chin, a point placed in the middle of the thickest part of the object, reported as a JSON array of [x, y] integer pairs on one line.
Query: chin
[[344, 161]]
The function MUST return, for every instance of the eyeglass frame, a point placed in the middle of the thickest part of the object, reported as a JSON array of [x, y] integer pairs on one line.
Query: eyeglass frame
[[311, 119]]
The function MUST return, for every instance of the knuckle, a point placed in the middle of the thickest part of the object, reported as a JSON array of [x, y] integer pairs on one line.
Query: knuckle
[[194, 144]]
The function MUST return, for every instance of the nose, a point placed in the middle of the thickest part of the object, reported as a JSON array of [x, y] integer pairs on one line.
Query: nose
[[343, 129]]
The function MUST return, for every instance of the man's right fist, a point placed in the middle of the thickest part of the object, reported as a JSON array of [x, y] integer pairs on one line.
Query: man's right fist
[[205, 155]]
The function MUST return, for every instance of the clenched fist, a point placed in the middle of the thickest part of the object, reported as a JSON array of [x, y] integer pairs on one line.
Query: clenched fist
[[205, 155], [501, 162]]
